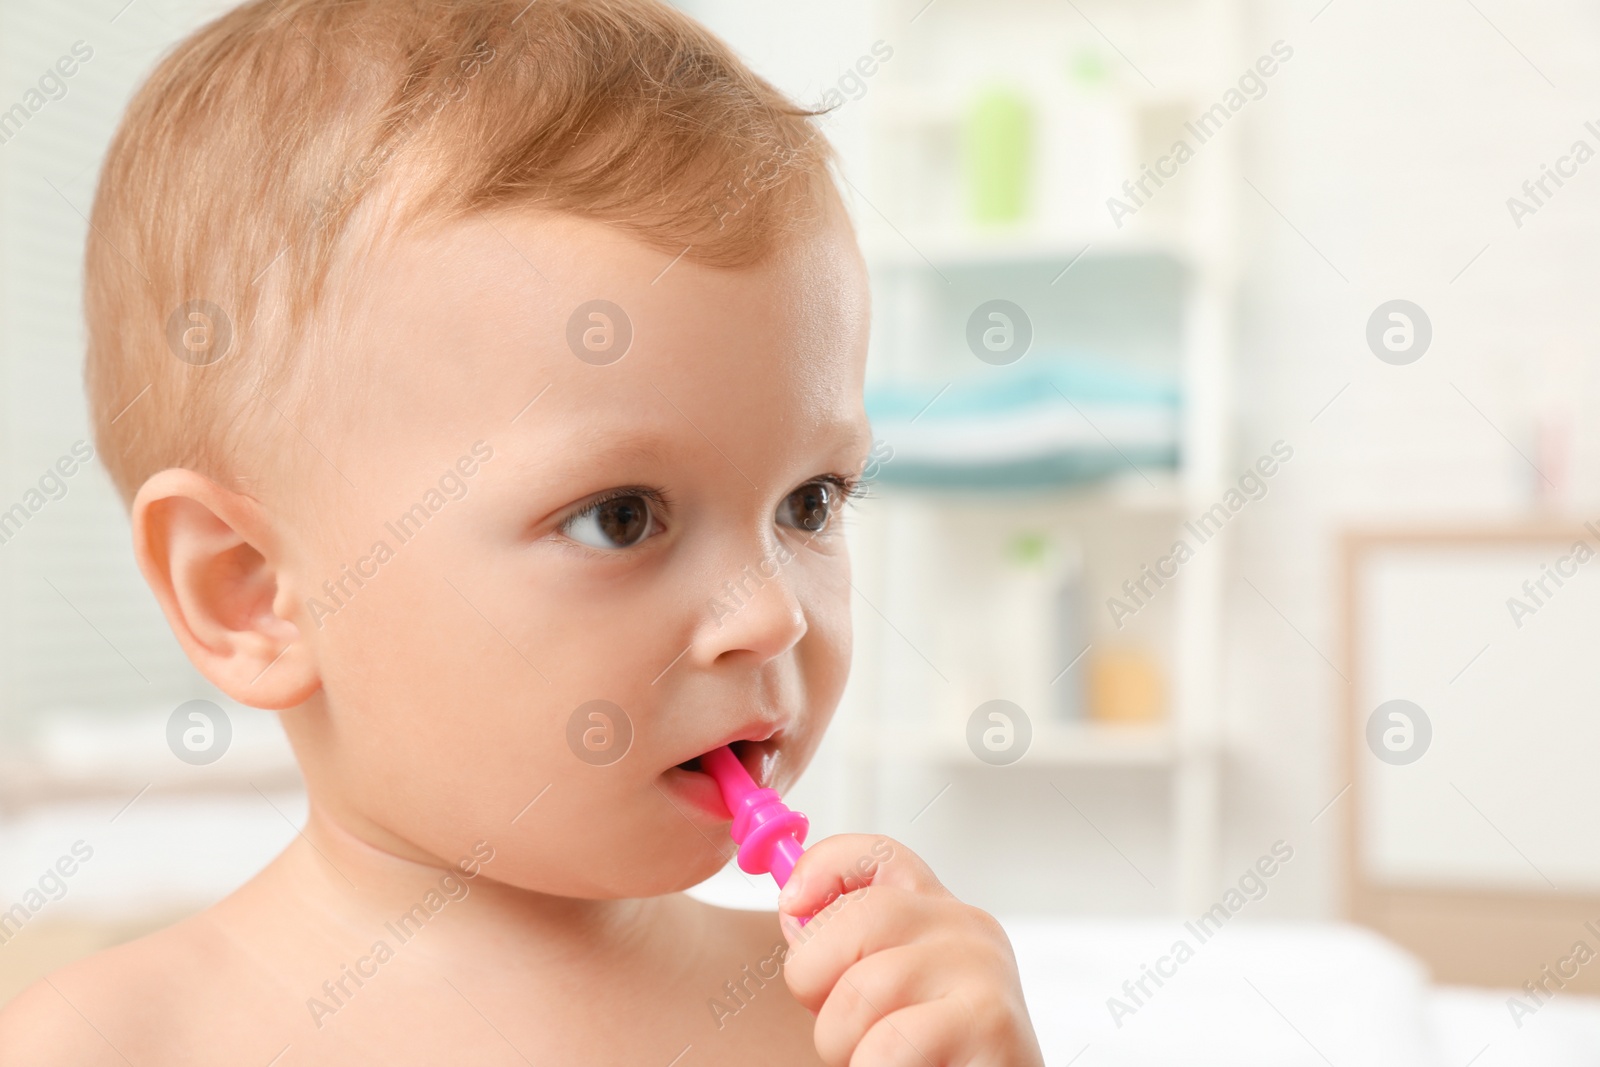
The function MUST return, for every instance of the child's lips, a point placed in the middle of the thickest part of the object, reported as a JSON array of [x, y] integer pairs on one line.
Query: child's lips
[[700, 789], [697, 789]]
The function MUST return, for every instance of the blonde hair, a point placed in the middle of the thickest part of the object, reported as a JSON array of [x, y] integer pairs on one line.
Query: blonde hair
[[277, 138]]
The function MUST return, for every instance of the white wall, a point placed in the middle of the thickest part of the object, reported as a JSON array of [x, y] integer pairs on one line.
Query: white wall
[[1391, 144]]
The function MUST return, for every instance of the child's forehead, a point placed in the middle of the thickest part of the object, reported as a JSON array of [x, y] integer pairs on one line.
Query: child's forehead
[[528, 321], [566, 295], [540, 266]]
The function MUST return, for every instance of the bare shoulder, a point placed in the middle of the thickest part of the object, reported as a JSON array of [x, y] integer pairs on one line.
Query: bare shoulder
[[134, 1002], [38, 1026]]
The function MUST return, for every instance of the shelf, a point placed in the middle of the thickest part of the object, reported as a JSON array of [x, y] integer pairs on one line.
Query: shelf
[[1082, 745], [1106, 474]]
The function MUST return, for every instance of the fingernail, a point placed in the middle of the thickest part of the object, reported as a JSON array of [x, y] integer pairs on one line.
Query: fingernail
[[789, 893]]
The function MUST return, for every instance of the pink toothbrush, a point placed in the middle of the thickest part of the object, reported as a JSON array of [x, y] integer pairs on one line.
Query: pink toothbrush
[[768, 834]]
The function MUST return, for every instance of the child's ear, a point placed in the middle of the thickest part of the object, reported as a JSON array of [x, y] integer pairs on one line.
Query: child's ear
[[208, 556]]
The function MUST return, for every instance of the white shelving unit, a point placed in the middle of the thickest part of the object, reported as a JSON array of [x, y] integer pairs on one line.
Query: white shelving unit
[[918, 682]]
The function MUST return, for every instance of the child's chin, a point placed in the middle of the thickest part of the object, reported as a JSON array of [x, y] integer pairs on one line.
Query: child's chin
[[689, 881], [659, 871], [682, 864], [662, 882]]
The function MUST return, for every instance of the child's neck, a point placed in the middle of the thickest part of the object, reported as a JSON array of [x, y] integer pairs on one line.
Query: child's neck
[[364, 875]]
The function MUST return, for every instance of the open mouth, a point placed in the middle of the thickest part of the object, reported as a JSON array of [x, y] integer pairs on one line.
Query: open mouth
[[740, 749], [756, 756]]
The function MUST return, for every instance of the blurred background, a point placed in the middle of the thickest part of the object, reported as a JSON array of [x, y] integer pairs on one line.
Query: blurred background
[[1230, 373]]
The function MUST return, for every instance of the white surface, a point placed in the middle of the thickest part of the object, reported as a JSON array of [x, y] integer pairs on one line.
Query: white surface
[[1345, 996], [1475, 1022], [1275, 996]]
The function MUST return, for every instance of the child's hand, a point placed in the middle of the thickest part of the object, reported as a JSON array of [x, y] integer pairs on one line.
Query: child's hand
[[897, 970]]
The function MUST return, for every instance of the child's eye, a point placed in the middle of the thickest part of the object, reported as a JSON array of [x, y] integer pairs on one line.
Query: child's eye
[[620, 521], [811, 506]]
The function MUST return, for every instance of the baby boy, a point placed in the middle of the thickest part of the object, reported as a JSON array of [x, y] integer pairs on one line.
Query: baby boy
[[484, 381]]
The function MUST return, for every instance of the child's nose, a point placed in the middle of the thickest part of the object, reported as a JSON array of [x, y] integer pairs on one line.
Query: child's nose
[[754, 613]]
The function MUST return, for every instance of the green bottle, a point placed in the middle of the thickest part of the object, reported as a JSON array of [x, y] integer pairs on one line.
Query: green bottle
[[997, 152]]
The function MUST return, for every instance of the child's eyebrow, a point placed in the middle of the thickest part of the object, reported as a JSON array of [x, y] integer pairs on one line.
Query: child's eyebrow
[[606, 449], [574, 456]]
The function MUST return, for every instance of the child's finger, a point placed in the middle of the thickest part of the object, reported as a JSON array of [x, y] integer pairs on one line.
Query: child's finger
[[845, 862], [936, 1031], [879, 985], [857, 926]]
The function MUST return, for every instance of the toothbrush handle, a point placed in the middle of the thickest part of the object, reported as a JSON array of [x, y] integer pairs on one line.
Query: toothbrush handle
[[786, 853]]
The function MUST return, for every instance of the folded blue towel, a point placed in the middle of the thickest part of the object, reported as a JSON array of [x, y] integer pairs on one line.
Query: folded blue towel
[[1057, 421], [1038, 382]]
